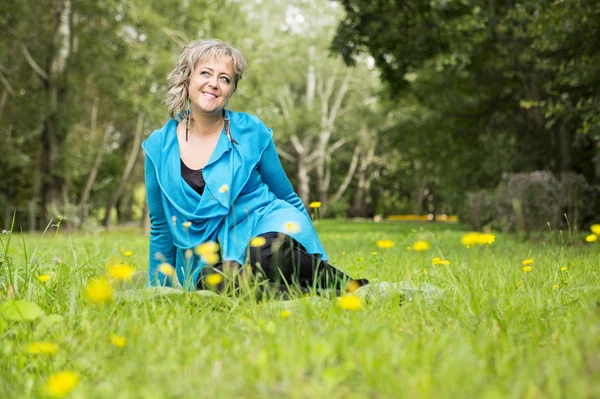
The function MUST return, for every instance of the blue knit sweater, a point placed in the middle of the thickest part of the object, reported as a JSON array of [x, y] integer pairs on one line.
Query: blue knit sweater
[[247, 193]]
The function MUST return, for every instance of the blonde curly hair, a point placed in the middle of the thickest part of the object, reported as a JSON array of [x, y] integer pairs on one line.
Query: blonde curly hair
[[198, 50]]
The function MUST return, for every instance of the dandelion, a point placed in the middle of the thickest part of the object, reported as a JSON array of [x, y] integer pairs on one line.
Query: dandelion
[[224, 188], [98, 290], [61, 383], [291, 227], [518, 283], [384, 244], [373, 253], [208, 247], [527, 269], [118, 340], [595, 228], [486, 239], [128, 253], [563, 269], [214, 279], [352, 286], [186, 224], [166, 269], [121, 272], [555, 286], [471, 238], [258, 242], [44, 277], [420, 245], [344, 253], [527, 262], [349, 302], [314, 205], [591, 238], [284, 314], [42, 348], [439, 261], [210, 259]]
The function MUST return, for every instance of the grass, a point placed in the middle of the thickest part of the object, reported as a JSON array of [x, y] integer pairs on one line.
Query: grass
[[496, 332]]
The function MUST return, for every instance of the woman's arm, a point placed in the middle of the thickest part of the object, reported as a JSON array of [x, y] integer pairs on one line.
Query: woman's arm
[[274, 176], [161, 241]]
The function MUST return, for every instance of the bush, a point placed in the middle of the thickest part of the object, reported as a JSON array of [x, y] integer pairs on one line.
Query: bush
[[479, 210], [529, 201], [573, 194]]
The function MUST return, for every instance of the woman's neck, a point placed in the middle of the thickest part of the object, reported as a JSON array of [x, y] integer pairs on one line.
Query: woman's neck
[[203, 124]]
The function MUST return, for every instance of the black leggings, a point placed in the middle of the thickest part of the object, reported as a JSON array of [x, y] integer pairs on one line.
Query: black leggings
[[284, 263]]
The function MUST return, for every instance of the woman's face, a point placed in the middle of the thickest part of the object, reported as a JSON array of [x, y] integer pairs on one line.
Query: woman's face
[[211, 85]]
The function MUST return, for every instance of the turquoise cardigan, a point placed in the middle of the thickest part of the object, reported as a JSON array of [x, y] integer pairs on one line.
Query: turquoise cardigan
[[247, 193]]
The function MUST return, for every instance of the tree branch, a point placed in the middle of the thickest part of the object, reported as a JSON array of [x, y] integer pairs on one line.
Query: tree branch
[[348, 178], [32, 63]]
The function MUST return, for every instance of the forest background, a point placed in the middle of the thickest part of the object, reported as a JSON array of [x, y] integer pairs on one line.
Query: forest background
[[378, 107]]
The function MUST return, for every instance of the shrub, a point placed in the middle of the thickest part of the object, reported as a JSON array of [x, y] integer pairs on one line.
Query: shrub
[[573, 196]]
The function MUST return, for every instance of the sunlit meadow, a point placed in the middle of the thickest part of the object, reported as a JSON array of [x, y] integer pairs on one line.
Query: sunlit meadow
[[511, 318]]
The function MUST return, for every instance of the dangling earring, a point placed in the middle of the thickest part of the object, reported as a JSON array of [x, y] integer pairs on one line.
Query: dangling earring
[[187, 120]]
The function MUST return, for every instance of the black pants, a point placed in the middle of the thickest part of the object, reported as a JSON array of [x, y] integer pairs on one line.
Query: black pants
[[286, 265]]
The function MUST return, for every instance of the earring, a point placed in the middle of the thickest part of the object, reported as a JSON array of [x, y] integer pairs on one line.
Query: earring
[[187, 120]]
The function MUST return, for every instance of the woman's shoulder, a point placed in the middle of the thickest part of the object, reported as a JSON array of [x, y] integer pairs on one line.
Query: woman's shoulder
[[158, 136], [246, 123]]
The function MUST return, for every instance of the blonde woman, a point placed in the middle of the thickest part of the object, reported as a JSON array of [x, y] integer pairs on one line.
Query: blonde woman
[[214, 176]]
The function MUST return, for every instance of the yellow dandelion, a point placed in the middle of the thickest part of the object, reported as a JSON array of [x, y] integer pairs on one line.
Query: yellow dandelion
[[210, 259], [98, 290], [595, 228], [373, 253], [214, 279], [121, 272], [486, 239], [208, 247], [315, 204], [563, 269], [344, 253], [384, 244], [420, 245], [258, 242], [555, 286], [42, 348], [128, 253], [44, 277], [439, 261], [471, 238], [284, 314], [527, 262], [224, 188], [166, 269], [527, 269], [291, 227], [591, 238], [118, 340], [352, 286], [349, 302], [61, 383], [518, 283]]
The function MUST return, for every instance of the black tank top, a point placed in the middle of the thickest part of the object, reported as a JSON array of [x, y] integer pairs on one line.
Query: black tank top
[[193, 177]]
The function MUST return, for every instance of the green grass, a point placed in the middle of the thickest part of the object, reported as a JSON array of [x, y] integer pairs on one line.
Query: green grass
[[496, 332]]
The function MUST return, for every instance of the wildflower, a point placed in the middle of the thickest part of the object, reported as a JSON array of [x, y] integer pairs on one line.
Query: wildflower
[[57, 260], [208, 247], [555, 286], [42, 348], [118, 340], [128, 253], [315, 204], [373, 253], [384, 244], [214, 279], [186, 224], [591, 238], [595, 228], [349, 302], [421, 245], [527, 269], [352, 286], [344, 253], [527, 262], [439, 261], [258, 242], [224, 188], [121, 272], [518, 283], [486, 239], [210, 259], [563, 269], [291, 227], [284, 314], [98, 290], [44, 277], [471, 238], [61, 383], [166, 269]]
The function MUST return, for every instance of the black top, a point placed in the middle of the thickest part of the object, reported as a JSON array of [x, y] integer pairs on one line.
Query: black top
[[193, 177]]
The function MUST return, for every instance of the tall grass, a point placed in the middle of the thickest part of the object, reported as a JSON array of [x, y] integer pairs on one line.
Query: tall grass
[[496, 331]]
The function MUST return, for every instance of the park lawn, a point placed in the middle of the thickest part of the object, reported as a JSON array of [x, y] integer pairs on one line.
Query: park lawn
[[495, 332]]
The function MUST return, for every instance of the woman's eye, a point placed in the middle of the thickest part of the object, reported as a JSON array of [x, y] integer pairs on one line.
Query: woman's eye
[[204, 73], [225, 79]]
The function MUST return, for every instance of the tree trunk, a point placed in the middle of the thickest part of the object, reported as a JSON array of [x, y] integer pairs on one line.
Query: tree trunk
[[114, 198]]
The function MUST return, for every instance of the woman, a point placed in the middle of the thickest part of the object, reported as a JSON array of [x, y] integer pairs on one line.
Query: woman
[[214, 176]]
